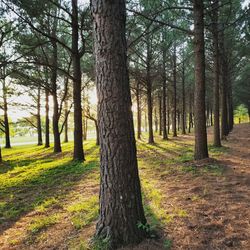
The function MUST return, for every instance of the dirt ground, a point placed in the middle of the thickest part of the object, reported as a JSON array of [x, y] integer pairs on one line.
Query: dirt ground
[[216, 205]]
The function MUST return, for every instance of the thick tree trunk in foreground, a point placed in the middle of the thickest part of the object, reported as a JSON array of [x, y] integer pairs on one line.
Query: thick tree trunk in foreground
[[201, 150], [6, 118], [216, 71], [120, 192], [78, 136], [47, 141], [39, 125]]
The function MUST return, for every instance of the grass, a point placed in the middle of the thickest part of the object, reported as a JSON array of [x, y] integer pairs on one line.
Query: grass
[[83, 212], [43, 222]]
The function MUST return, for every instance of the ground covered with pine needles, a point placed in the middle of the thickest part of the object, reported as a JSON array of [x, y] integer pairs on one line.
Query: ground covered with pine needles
[[49, 202]]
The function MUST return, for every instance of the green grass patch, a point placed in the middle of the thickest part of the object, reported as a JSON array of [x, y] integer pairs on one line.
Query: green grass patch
[[216, 151], [40, 223], [84, 212]]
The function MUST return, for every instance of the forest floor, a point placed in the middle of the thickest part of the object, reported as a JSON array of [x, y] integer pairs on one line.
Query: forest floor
[[49, 202]]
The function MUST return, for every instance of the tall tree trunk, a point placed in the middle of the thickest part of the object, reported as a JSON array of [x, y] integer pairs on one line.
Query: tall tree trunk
[[149, 93], [97, 133], [6, 118], [120, 193], [201, 150], [230, 106], [211, 117], [174, 94], [224, 94], [55, 120], [56, 133], [190, 116], [216, 70], [66, 127], [39, 125], [160, 113], [76, 61], [47, 139], [138, 101], [183, 120], [168, 114], [156, 120], [178, 119], [146, 121], [164, 96]]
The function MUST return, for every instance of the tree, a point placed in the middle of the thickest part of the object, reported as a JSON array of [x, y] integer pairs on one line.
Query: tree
[[201, 150], [216, 69], [120, 194]]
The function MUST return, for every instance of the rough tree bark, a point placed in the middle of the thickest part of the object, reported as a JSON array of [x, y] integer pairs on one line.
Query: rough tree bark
[[76, 62], [216, 71], [201, 150], [120, 193]]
